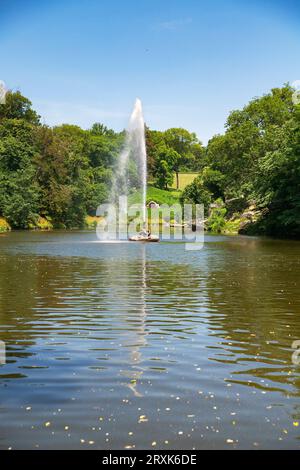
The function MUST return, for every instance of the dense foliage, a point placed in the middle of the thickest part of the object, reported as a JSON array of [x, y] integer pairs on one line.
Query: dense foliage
[[60, 173], [63, 173], [257, 160]]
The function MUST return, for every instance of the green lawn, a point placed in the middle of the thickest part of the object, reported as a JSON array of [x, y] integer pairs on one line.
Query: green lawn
[[184, 179], [158, 195]]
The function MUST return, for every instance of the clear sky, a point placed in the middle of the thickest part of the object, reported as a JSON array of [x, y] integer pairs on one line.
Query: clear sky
[[190, 61]]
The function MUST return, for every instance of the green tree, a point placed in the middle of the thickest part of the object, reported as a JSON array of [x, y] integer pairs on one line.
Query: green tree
[[277, 187], [196, 193], [65, 172], [154, 142], [19, 197], [250, 133], [19, 191], [16, 106], [164, 175], [101, 130], [187, 146], [214, 182], [62, 166], [167, 159]]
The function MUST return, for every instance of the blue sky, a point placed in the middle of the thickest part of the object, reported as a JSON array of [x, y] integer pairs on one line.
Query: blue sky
[[190, 61]]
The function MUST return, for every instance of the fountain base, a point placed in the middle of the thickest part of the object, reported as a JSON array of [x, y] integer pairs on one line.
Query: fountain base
[[144, 238]]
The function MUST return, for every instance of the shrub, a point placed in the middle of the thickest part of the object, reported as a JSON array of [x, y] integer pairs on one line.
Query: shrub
[[216, 222]]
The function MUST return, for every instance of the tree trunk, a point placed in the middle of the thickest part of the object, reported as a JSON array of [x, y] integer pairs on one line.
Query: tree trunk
[[177, 180]]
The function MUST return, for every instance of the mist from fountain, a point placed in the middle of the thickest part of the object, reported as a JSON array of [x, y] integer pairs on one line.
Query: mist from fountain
[[134, 151]]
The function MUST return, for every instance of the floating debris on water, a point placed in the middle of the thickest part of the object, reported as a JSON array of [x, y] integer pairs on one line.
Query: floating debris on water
[[143, 419]]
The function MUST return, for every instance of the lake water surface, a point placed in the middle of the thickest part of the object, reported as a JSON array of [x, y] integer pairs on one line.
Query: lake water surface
[[148, 346]]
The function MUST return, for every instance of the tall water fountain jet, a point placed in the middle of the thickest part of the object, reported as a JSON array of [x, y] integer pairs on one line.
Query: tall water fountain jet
[[134, 152], [137, 132]]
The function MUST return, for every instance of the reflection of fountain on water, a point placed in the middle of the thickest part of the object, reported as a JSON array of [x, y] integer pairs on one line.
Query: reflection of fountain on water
[[132, 159], [139, 340]]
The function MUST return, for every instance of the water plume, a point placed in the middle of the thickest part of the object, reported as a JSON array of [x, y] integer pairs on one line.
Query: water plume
[[131, 170]]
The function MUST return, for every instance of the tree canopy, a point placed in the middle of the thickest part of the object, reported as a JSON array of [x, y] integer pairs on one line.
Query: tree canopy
[[64, 172]]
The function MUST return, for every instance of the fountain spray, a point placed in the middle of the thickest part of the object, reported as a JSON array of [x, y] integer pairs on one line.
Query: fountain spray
[[134, 148]]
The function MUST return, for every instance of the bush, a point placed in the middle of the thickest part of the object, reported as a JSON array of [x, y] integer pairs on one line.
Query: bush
[[4, 225], [42, 223], [91, 222], [216, 222]]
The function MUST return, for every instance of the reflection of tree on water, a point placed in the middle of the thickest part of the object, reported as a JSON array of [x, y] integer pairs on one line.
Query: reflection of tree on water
[[151, 298], [246, 293], [46, 300], [254, 309], [236, 305]]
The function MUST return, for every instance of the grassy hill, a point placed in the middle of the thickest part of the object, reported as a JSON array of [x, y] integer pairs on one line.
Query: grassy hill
[[162, 196], [155, 194]]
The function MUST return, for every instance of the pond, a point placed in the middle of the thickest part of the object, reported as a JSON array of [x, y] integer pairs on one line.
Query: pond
[[126, 345]]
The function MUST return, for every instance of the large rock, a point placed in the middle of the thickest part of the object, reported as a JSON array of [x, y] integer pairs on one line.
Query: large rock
[[250, 219]]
